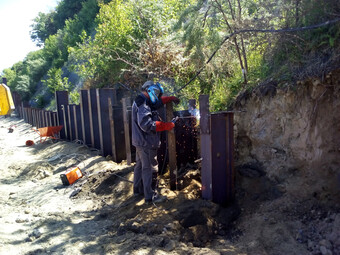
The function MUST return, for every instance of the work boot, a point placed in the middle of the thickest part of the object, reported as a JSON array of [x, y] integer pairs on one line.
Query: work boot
[[159, 199], [156, 199]]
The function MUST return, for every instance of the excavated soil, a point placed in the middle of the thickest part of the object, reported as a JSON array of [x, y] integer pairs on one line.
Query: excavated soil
[[287, 189]]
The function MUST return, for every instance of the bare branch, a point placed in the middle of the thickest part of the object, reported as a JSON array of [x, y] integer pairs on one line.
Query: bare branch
[[286, 30], [205, 16]]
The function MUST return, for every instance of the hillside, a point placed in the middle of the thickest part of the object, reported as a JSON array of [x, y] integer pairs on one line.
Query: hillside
[[287, 193], [192, 47]]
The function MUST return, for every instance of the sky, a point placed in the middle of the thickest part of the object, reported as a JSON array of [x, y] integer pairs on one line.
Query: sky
[[16, 16]]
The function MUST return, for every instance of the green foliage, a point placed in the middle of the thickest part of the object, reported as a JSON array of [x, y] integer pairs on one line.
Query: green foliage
[[93, 57], [74, 97], [40, 101], [23, 85], [43, 27], [46, 25], [52, 106], [309, 53], [56, 82], [10, 75], [130, 41], [24, 75]]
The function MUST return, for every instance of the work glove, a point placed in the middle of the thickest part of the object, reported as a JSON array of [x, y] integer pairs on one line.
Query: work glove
[[166, 100], [162, 126]]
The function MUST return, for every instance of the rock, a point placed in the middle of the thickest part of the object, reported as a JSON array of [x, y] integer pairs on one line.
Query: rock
[[36, 233], [310, 244], [281, 188], [250, 170], [326, 244], [121, 229], [28, 239], [300, 236], [171, 245], [121, 239], [323, 250], [272, 221], [75, 192], [135, 225], [36, 214], [21, 220], [173, 226]]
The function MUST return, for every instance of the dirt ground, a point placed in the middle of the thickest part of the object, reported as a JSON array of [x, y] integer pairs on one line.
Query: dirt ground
[[99, 215]]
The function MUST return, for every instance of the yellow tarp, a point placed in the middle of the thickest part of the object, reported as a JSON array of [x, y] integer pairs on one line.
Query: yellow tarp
[[6, 100]]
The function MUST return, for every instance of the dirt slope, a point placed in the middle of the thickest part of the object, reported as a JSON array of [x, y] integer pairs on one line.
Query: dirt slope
[[287, 191], [288, 148]]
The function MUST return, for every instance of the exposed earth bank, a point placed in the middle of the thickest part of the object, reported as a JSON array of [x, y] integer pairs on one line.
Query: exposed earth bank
[[287, 166]]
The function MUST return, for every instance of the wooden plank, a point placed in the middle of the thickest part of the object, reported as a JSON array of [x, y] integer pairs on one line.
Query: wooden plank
[[76, 135], [85, 117], [55, 118], [27, 115], [119, 136], [230, 157], [29, 111], [37, 118], [100, 119], [206, 169], [61, 99], [33, 117], [50, 118], [20, 112], [42, 118], [222, 157], [30, 115], [112, 130], [34, 120], [65, 121], [71, 121], [93, 113], [106, 139], [45, 119], [78, 124], [186, 138], [171, 149], [23, 111], [126, 103]]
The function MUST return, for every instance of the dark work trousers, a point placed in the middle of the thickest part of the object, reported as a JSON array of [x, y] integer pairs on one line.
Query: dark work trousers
[[145, 168]]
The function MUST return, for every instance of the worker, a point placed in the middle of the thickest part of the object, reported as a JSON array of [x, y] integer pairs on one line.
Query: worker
[[146, 125]]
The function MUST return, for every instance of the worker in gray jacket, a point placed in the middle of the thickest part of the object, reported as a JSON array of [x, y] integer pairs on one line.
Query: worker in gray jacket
[[146, 126]]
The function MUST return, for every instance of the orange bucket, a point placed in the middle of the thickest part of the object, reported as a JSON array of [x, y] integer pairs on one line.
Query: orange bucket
[[71, 175]]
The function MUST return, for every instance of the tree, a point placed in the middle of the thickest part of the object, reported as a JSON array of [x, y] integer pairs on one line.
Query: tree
[[56, 82], [43, 27], [128, 38]]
